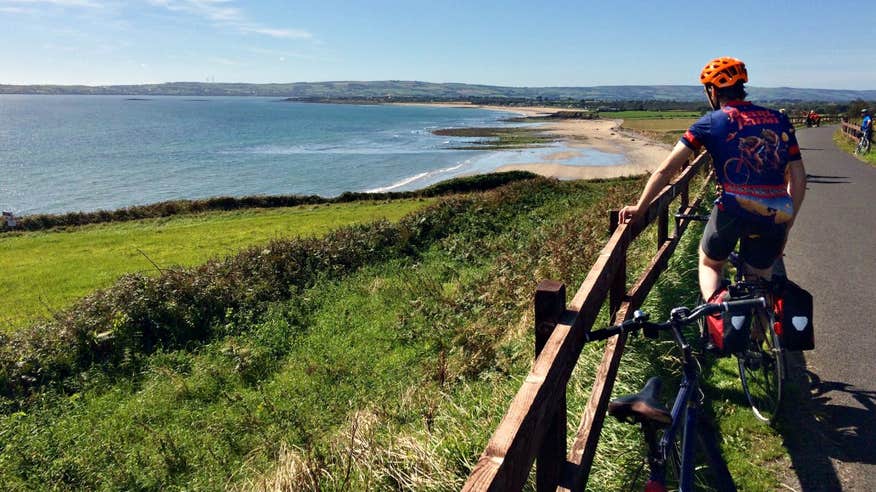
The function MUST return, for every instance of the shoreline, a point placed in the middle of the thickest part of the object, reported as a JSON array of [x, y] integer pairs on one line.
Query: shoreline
[[640, 155]]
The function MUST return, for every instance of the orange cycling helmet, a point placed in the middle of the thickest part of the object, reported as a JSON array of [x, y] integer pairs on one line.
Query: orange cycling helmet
[[724, 72]]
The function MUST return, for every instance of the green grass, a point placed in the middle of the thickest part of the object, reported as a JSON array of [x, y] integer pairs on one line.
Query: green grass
[[41, 272], [649, 115], [846, 144], [666, 130], [391, 377]]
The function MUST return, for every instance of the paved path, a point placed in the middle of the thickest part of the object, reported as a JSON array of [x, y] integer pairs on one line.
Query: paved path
[[832, 253]]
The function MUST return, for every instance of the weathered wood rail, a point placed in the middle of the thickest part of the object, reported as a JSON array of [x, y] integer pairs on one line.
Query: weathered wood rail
[[534, 428], [851, 131], [824, 119]]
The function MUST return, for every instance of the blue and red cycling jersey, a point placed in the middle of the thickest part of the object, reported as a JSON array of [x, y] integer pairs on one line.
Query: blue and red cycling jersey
[[751, 147]]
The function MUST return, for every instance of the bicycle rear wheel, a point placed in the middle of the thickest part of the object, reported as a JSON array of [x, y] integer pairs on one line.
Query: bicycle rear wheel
[[762, 368]]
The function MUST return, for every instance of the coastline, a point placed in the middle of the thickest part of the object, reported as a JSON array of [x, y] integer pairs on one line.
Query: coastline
[[639, 155]]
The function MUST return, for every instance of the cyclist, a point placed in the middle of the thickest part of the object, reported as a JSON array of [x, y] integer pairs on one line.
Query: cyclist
[[866, 124], [813, 118], [758, 165]]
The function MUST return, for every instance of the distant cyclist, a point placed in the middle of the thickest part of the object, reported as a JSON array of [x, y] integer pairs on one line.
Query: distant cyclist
[[866, 124], [758, 165]]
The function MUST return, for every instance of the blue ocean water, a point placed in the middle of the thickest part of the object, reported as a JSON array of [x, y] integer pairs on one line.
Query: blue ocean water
[[70, 153]]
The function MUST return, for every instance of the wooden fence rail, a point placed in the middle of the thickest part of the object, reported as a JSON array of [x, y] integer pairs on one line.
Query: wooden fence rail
[[824, 119], [534, 427], [851, 131]]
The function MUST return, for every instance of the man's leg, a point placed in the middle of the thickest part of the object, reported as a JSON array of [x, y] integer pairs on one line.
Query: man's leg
[[711, 273]]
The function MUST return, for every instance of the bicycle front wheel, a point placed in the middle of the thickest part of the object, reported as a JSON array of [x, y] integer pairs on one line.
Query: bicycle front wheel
[[762, 368]]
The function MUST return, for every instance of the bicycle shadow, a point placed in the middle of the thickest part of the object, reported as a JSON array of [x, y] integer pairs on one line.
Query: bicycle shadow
[[817, 429], [810, 443]]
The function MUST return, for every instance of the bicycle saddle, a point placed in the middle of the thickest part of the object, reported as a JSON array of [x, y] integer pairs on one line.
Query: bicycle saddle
[[643, 406]]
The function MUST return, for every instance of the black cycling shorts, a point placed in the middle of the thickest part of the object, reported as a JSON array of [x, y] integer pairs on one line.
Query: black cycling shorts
[[759, 244]]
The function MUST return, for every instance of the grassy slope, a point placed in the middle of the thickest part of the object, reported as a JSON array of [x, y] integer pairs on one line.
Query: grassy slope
[[44, 271], [392, 377], [416, 356]]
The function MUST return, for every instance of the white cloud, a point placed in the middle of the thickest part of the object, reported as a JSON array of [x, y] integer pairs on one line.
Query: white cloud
[[223, 61], [224, 14], [277, 33], [58, 3]]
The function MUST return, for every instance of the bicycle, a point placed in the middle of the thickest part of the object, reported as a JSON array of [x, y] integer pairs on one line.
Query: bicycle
[[863, 146], [670, 460], [762, 366]]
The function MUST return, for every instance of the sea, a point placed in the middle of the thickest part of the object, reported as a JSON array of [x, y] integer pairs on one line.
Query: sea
[[63, 154]]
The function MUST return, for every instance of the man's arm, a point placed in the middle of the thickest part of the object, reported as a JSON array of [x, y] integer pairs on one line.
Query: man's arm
[[658, 180], [796, 186]]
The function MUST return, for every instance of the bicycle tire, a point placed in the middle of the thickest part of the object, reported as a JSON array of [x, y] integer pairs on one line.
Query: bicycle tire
[[863, 147], [762, 369]]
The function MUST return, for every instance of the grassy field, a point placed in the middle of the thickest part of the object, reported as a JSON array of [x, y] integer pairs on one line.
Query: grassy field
[[666, 130], [649, 115], [41, 272]]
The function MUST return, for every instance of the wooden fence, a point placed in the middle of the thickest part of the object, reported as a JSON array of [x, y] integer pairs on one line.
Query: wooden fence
[[851, 131], [826, 119], [534, 428]]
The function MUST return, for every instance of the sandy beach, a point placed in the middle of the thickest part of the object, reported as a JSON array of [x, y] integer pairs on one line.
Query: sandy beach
[[639, 155]]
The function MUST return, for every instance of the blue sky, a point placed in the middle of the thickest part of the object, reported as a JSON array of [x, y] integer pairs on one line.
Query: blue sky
[[520, 43]]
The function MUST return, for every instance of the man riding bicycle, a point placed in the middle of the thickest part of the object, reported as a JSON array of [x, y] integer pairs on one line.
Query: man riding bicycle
[[866, 124], [758, 166]]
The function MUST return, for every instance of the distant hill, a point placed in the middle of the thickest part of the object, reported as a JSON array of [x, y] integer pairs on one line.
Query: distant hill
[[414, 90]]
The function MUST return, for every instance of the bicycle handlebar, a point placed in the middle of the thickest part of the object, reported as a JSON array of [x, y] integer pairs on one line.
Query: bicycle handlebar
[[680, 316]]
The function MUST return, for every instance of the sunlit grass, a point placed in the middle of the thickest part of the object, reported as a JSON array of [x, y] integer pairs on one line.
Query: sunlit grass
[[41, 272]]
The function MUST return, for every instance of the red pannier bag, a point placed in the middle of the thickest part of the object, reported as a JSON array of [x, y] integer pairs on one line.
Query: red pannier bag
[[793, 307], [729, 332]]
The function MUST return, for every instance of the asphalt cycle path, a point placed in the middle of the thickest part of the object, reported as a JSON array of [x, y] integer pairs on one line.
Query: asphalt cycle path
[[832, 435]]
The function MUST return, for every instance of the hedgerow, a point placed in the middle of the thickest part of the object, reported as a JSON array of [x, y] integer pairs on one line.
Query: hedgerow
[[112, 330], [38, 222]]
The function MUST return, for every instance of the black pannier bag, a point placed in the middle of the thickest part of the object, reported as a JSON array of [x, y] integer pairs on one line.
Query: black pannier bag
[[794, 318], [736, 331]]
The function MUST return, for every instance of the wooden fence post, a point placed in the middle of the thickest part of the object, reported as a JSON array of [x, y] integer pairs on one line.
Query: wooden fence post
[[662, 227], [550, 302], [619, 287]]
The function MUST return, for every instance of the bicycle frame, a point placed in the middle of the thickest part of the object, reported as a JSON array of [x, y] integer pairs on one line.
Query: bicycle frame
[[686, 415], [688, 402]]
